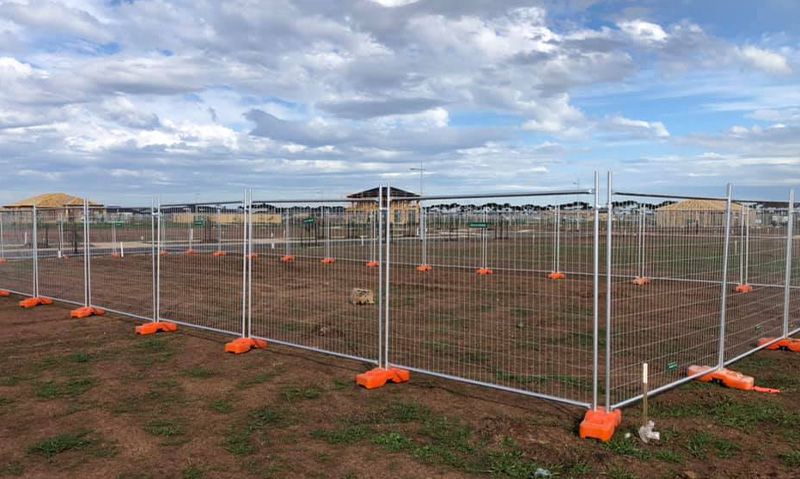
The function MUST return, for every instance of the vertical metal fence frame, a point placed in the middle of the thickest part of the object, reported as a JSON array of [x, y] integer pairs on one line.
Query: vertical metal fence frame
[[202, 265], [16, 259], [61, 250], [488, 312], [120, 261], [671, 317], [315, 283]]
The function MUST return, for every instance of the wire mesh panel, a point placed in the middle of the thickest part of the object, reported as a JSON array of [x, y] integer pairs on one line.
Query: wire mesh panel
[[756, 276], [487, 311], [122, 261], [202, 266], [666, 279], [793, 319], [312, 285], [60, 250], [16, 251]]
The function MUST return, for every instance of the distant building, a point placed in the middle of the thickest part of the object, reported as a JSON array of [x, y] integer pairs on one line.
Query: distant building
[[404, 208], [701, 214], [53, 206]]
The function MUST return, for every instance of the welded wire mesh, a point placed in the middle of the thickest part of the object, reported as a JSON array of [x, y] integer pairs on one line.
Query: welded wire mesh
[[122, 261], [198, 285], [487, 312], [60, 236], [670, 317], [756, 278], [311, 257], [16, 251], [793, 319]]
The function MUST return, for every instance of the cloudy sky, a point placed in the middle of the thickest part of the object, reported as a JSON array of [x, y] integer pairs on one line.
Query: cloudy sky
[[195, 100]]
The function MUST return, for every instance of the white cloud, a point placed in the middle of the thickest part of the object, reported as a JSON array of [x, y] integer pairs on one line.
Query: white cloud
[[394, 3], [765, 60], [637, 128], [643, 32]]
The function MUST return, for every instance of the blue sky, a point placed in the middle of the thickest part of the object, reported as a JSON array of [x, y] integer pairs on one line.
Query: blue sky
[[119, 101]]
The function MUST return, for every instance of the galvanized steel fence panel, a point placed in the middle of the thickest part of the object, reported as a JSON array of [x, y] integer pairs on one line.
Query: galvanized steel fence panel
[[61, 248], [16, 260]]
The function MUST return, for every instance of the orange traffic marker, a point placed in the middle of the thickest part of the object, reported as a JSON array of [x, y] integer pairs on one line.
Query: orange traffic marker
[[243, 345], [557, 275], [424, 268], [157, 327], [287, 258], [641, 281], [378, 377], [600, 424], [85, 312], [328, 260], [190, 252], [484, 271], [33, 302], [744, 288], [728, 378], [219, 253], [788, 344], [4, 293], [372, 264]]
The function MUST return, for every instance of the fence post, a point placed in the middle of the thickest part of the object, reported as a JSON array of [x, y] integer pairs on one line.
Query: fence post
[[724, 294], [788, 273], [596, 294], [153, 256], [85, 253], [250, 257], [244, 261], [609, 218], [380, 218], [388, 275], [35, 240]]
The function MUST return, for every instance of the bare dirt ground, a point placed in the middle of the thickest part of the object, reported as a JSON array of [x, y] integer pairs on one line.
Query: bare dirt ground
[[87, 398]]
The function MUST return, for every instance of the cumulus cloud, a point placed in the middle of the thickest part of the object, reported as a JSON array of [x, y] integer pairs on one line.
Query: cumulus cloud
[[644, 32], [765, 60], [637, 128]]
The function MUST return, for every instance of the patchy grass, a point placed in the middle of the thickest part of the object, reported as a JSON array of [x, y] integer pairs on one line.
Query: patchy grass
[[292, 394], [192, 472], [239, 439], [198, 372], [70, 388], [791, 459], [260, 378], [221, 406], [55, 445], [164, 428], [12, 468]]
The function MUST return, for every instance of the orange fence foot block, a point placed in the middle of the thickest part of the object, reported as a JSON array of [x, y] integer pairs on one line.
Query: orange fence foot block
[[599, 424], [372, 264], [85, 312], [728, 378], [378, 377], [33, 302], [641, 281], [484, 271], [424, 268], [789, 344], [190, 252], [219, 253], [3, 260], [164, 253], [557, 275], [159, 327], [4, 293], [116, 255], [744, 288], [243, 345], [328, 260], [287, 258], [252, 256]]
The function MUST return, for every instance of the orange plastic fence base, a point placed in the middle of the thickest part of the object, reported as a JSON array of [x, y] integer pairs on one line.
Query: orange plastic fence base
[[744, 288], [33, 302], [251, 256], [328, 260], [287, 258], [4, 293], [424, 268], [789, 344], [372, 264], [164, 253], [243, 345], [728, 378], [159, 327], [190, 252], [3, 260], [484, 271], [116, 255], [599, 424], [85, 312], [641, 281], [557, 275], [220, 253], [378, 377]]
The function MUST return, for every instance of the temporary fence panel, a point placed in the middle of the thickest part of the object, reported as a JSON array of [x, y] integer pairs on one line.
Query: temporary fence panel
[[665, 282], [792, 315], [756, 276], [60, 238], [122, 260], [312, 286], [487, 310], [16, 257], [199, 286]]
